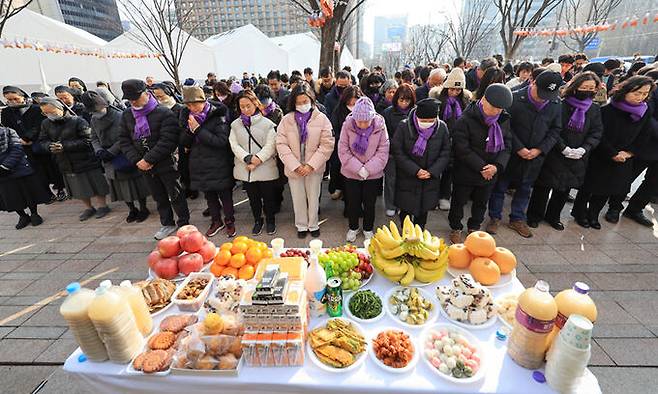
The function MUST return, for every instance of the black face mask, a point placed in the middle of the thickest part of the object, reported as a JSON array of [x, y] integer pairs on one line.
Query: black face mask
[[584, 95]]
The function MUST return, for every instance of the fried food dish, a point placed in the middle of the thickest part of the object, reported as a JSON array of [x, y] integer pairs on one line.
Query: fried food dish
[[338, 344]]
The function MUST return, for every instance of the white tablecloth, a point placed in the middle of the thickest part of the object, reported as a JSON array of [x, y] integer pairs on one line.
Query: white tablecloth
[[502, 375]]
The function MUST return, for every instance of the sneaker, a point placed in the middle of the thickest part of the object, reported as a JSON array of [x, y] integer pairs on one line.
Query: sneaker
[[455, 236], [368, 235], [302, 234], [230, 230], [492, 226], [521, 227], [337, 195], [214, 228], [258, 227], [315, 233], [638, 217], [36, 219], [444, 204], [351, 235], [62, 195], [87, 213], [612, 216], [142, 215], [390, 213], [102, 212], [206, 213], [132, 215], [23, 221], [165, 231], [271, 228]]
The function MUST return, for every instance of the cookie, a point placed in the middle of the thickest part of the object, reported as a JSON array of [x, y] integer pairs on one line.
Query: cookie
[[162, 340], [139, 361], [175, 323], [154, 361]]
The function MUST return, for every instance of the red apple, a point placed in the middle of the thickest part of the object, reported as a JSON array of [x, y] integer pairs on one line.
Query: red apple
[[192, 262], [192, 242], [183, 231], [169, 247], [153, 258], [208, 251], [166, 268]]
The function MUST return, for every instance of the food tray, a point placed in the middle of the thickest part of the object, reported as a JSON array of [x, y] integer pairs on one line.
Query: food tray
[[195, 304], [208, 372], [406, 368], [434, 313], [132, 371], [359, 360]]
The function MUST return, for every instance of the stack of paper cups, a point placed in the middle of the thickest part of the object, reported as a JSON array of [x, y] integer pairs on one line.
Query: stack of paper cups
[[568, 357]]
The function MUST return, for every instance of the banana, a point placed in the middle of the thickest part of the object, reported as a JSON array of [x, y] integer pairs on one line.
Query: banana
[[430, 265], [427, 276], [418, 232], [407, 228], [409, 276], [394, 231], [395, 278], [426, 254], [392, 253], [395, 269], [386, 240]]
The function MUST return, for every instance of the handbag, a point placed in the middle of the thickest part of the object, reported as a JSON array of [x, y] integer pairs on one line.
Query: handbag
[[279, 164], [121, 164]]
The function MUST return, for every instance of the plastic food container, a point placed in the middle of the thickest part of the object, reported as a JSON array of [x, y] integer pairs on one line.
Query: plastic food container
[[195, 304]]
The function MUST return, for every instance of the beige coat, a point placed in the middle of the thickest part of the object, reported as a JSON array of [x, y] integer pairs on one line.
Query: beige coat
[[263, 131], [319, 143]]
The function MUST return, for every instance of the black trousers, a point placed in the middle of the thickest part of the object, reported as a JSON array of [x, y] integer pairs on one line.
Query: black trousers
[[540, 207], [360, 197], [588, 205], [460, 196], [420, 220], [643, 194], [264, 196], [336, 180], [184, 167], [168, 193], [445, 186], [215, 207]]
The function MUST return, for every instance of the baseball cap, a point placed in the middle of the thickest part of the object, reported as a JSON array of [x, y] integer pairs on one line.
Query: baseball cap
[[548, 85], [133, 88]]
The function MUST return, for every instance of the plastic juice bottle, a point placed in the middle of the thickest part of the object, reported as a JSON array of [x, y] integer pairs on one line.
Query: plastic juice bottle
[[138, 305], [569, 301], [115, 324], [535, 318], [315, 285], [74, 310]]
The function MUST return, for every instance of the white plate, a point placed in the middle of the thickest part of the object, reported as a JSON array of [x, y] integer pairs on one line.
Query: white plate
[[158, 313], [468, 326], [359, 359], [132, 371], [363, 284], [471, 339], [406, 368], [433, 313], [504, 279], [179, 277], [346, 306], [500, 317]]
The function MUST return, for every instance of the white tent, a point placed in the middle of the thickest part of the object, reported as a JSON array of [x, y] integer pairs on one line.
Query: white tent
[[246, 49], [303, 50]]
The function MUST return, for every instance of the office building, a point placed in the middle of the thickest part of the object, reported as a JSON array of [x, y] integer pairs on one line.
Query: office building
[[390, 33]]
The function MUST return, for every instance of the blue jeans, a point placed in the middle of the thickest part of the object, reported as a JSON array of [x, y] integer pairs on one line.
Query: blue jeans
[[519, 201]]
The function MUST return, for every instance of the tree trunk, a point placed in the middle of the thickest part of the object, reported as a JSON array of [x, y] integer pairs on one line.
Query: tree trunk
[[327, 44]]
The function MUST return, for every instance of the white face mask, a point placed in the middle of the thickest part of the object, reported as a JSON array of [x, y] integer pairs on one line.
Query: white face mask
[[425, 125], [350, 107], [222, 98], [303, 108], [266, 102]]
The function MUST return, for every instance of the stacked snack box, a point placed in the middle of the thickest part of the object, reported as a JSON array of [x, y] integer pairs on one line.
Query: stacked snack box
[[276, 317]]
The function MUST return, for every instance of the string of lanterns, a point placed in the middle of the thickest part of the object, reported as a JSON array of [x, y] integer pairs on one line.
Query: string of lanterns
[[319, 18], [40, 46], [628, 23]]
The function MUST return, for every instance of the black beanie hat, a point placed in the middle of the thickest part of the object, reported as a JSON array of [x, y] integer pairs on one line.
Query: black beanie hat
[[427, 108]]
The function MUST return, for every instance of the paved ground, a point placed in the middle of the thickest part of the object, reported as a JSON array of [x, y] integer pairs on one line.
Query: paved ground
[[619, 262]]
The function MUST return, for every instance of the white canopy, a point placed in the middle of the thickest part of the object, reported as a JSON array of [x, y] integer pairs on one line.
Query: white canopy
[[303, 50]]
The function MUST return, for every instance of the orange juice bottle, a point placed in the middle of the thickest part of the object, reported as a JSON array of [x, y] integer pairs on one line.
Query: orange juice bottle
[[535, 318], [569, 301], [138, 306]]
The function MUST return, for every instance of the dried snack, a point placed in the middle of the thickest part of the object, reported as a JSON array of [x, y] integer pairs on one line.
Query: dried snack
[[162, 340], [205, 362], [157, 293], [236, 347], [177, 323], [228, 361], [232, 324], [193, 289], [218, 345]]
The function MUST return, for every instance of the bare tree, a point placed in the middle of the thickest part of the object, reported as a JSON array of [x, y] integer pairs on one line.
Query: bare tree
[[334, 30], [580, 12], [515, 14], [9, 8], [470, 27], [159, 26], [425, 44]]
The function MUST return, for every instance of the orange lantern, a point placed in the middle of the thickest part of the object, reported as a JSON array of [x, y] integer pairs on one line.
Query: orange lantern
[[634, 21], [645, 19]]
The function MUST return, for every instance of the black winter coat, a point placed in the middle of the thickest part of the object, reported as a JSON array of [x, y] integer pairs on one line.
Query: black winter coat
[[469, 140], [422, 92], [105, 133], [211, 158], [158, 148], [561, 173], [413, 195], [531, 129], [381, 106], [472, 83], [604, 175], [393, 116], [331, 101], [74, 134], [26, 125], [649, 150], [15, 160]]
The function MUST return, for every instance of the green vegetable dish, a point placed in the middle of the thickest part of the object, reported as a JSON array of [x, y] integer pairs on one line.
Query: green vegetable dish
[[365, 304]]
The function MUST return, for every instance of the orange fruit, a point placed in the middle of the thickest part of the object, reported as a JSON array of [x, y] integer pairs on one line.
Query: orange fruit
[[239, 247], [254, 255], [485, 271], [216, 269], [267, 254], [505, 260], [230, 271], [238, 260], [459, 256], [262, 246], [246, 272], [223, 257], [480, 244], [241, 238], [226, 246]]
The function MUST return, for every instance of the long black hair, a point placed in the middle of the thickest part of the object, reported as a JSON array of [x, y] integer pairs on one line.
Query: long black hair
[[578, 80], [491, 76], [632, 84], [302, 88]]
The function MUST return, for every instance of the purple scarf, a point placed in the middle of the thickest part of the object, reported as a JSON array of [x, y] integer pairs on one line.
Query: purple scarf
[[452, 109], [142, 128], [388, 103], [423, 136], [404, 111], [270, 107], [538, 104], [362, 135], [580, 107], [374, 97], [302, 122], [495, 141], [201, 116], [636, 111], [246, 120]]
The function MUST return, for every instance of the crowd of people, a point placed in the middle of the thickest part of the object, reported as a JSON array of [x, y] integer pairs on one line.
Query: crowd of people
[[431, 137]]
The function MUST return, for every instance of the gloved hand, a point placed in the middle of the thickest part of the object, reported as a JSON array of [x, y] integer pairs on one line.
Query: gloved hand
[[55, 147], [578, 153], [104, 155], [4, 171], [363, 173], [566, 152]]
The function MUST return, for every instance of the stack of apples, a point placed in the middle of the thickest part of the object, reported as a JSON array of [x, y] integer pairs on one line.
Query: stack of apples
[[181, 254], [240, 258], [479, 254]]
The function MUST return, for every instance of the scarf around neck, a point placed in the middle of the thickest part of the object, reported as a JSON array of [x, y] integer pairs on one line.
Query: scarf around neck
[[423, 136], [452, 109], [246, 119], [142, 128], [362, 136], [302, 123], [495, 141], [537, 104], [580, 107], [636, 111], [404, 111], [269, 109], [201, 116]]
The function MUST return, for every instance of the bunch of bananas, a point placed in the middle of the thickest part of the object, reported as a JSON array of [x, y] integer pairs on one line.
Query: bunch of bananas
[[414, 254]]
